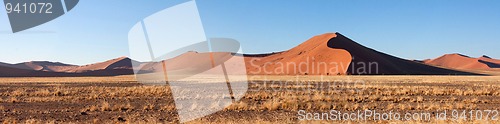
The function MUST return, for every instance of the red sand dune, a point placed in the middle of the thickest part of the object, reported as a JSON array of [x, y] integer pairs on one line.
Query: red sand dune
[[363, 57], [326, 54], [351, 57], [31, 69], [313, 57], [119, 66], [44, 66], [459, 61], [6, 71], [189, 61], [194, 63], [490, 60], [118, 63]]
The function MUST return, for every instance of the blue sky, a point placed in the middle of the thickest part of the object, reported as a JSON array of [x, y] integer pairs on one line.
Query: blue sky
[[96, 30]]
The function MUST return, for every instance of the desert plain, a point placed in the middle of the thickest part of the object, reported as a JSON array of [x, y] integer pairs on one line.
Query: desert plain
[[326, 79], [121, 99]]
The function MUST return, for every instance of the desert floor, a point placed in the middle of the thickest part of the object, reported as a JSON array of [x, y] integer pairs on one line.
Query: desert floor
[[121, 99]]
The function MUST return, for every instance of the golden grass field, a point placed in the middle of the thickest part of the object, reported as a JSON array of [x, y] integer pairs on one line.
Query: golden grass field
[[122, 100]]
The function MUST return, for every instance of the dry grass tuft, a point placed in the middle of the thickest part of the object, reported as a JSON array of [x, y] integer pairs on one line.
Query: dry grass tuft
[[272, 105], [115, 99]]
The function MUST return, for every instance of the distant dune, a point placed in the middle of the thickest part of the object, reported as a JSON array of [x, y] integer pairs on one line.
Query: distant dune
[[459, 61], [186, 63], [326, 54], [44, 66], [118, 63], [6, 71], [4, 64]]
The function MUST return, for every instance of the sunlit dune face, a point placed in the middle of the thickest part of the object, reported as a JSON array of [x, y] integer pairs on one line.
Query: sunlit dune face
[[312, 57]]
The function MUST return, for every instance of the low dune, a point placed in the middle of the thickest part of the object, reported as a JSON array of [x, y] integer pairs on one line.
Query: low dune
[[492, 63], [459, 61], [118, 63], [341, 55], [44, 66], [4, 64], [6, 71], [118, 66]]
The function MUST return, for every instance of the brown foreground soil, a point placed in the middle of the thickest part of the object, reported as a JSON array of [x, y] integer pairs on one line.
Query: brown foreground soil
[[269, 99]]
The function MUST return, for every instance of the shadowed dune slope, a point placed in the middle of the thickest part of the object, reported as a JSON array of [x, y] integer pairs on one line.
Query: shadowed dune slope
[[188, 62], [492, 63], [385, 64], [4, 64], [326, 54], [6, 71]]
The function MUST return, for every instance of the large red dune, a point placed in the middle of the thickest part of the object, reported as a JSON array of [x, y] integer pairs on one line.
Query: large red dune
[[348, 57], [313, 57]]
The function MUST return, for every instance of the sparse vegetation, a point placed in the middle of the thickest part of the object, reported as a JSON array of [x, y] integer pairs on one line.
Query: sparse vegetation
[[122, 100]]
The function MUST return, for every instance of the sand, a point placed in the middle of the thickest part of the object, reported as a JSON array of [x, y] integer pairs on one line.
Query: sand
[[325, 54], [459, 61]]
